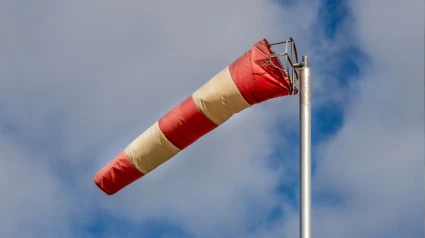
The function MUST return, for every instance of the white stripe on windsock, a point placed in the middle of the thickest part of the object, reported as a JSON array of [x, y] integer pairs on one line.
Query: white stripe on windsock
[[219, 98]]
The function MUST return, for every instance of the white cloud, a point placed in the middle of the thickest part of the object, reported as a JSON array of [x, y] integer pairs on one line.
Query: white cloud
[[84, 78], [33, 202], [376, 160], [81, 79]]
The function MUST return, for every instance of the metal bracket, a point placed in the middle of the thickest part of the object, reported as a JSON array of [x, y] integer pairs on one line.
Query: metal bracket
[[291, 60]]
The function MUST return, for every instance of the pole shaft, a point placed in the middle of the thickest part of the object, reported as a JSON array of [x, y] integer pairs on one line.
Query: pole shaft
[[305, 150]]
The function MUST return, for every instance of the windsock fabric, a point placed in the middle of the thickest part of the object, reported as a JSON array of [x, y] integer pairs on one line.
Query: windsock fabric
[[253, 78]]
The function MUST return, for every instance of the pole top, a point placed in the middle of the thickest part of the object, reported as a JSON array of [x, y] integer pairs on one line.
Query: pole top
[[305, 61]]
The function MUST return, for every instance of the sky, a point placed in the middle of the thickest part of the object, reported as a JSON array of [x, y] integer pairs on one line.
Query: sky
[[79, 80]]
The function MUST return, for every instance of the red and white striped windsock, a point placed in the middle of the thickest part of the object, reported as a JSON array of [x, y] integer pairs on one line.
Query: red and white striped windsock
[[253, 78]]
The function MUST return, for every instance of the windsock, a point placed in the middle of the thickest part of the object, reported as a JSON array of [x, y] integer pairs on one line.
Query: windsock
[[253, 78]]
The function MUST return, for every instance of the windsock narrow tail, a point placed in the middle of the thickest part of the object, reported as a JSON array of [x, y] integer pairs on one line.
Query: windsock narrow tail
[[253, 78]]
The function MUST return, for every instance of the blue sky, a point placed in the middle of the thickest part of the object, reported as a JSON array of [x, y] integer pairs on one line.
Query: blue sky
[[79, 80]]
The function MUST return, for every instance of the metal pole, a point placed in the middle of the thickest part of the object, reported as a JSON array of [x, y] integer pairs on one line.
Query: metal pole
[[305, 149]]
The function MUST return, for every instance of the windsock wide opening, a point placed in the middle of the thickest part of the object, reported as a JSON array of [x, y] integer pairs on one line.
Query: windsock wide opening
[[260, 75], [291, 62]]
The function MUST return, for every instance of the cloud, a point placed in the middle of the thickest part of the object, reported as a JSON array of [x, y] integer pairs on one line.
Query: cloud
[[375, 162], [33, 202], [79, 80], [82, 79]]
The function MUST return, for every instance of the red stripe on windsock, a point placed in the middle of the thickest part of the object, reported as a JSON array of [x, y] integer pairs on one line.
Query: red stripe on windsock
[[116, 175], [185, 123], [257, 75]]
